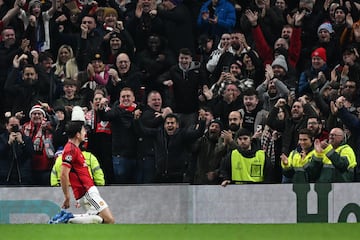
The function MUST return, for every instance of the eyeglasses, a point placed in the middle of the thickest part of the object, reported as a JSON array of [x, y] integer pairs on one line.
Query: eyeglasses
[[225, 38], [335, 135], [312, 123]]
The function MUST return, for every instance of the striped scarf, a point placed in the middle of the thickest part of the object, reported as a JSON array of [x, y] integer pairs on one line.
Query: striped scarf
[[268, 145]]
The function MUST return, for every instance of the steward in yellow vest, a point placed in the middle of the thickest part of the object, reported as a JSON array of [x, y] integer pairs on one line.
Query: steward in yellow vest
[[93, 165], [335, 160], [296, 166], [246, 163]]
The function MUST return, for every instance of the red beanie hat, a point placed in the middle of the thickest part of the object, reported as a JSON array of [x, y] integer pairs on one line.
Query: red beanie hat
[[319, 52]]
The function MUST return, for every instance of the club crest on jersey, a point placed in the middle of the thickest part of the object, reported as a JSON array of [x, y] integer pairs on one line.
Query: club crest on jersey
[[68, 158]]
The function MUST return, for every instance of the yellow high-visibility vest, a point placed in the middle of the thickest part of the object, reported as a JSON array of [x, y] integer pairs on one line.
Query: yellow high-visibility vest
[[247, 169]]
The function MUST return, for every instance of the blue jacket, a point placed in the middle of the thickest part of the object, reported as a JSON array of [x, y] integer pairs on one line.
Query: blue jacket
[[224, 11], [308, 75]]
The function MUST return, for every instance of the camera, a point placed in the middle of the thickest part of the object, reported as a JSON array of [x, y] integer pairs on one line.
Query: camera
[[14, 128]]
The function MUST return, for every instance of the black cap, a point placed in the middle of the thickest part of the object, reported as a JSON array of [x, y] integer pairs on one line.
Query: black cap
[[96, 56], [218, 122], [114, 35], [350, 49]]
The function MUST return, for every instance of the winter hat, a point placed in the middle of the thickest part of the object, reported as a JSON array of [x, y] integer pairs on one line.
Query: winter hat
[[176, 2], [37, 107], [319, 52], [218, 122], [281, 51], [32, 3], [350, 49], [326, 26], [97, 56], [280, 61], [238, 62], [77, 114], [115, 35]]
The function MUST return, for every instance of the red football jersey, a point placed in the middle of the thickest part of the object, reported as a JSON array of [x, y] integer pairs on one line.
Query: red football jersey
[[79, 176]]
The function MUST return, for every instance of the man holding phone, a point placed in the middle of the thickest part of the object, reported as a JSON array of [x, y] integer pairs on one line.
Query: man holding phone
[[216, 17]]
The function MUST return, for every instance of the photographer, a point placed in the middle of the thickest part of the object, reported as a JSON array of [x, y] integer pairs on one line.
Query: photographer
[[15, 155]]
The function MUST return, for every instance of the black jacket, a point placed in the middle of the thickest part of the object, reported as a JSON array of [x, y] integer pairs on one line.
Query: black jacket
[[186, 86], [172, 158], [15, 169], [124, 138]]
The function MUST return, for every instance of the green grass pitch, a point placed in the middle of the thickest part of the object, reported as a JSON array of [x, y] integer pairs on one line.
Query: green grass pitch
[[318, 231]]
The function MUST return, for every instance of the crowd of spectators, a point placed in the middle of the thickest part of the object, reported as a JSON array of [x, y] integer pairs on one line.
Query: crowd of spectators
[[182, 91]]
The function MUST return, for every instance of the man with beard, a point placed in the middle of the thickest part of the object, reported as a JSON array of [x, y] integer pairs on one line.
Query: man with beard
[[282, 70], [272, 89], [208, 113], [239, 45], [245, 164], [300, 112], [170, 147], [351, 93], [207, 162], [226, 140], [33, 86], [315, 125]]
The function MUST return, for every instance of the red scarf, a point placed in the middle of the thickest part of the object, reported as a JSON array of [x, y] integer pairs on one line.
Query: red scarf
[[128, 108]]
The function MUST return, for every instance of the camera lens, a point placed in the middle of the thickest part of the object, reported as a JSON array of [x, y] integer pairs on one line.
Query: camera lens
[[15, 128]]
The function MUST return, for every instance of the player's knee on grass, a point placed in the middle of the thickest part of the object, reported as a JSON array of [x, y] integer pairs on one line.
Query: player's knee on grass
[[107, 216]]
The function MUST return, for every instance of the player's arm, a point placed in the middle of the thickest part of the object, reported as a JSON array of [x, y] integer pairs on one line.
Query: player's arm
[[65, 183]]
